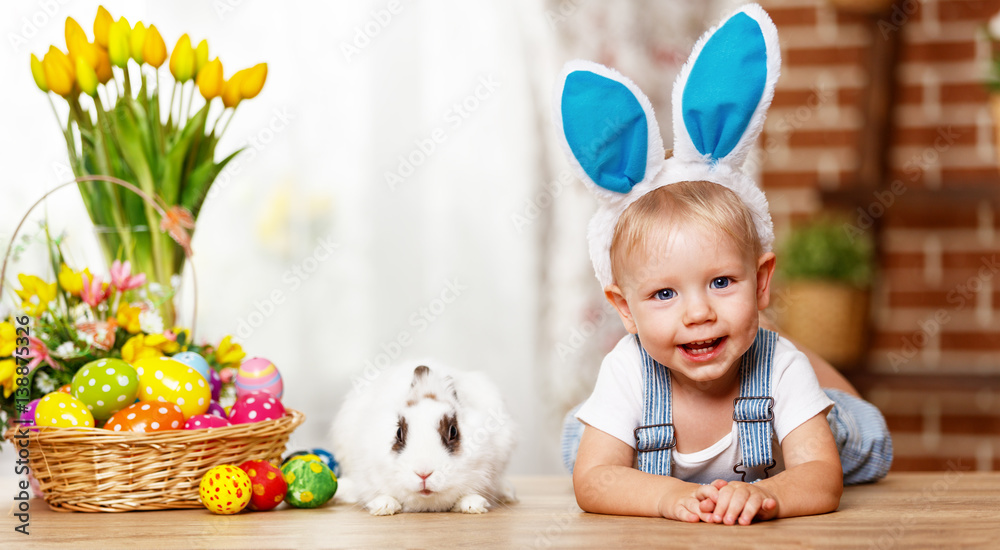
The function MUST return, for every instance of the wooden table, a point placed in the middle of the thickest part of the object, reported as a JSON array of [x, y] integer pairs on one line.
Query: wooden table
[[954, 509]]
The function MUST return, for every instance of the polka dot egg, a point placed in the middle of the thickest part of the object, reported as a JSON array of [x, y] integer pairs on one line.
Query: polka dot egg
[[259, 374], [310, 482], [225, 489], [256, 407], [62, 410], [202, 421], [195, 361], [147, 416], [106, 386], [165, 380]]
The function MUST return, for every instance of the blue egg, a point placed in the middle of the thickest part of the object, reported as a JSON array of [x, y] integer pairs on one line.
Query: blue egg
[[328, 459], [195, 361]]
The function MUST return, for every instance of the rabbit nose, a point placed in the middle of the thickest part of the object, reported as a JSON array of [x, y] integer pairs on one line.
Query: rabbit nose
[[424, 476]]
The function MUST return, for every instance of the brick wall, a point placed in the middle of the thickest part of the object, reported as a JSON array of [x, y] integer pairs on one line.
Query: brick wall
[[935, 306]]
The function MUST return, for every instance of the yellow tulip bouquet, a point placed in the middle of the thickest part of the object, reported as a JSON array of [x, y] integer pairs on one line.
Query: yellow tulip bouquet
[[123, 123]]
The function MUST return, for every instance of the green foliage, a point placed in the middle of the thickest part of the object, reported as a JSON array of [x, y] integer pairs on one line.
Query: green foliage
[[827, 249]]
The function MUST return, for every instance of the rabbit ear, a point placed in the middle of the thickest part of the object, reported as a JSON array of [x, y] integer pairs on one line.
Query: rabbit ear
[[722, 93], [608, 129]]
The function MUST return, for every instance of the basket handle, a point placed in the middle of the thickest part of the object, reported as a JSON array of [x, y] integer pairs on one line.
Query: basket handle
[[168, 223]]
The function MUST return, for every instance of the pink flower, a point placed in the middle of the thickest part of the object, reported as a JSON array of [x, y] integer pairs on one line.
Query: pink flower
[[39, 354], [122, 278], [94, 291]]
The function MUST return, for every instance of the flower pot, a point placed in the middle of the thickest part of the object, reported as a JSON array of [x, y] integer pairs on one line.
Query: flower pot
[[830, 318]]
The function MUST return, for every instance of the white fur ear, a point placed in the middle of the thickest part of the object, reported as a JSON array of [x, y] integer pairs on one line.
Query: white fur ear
[[722, 93], [607, 129]]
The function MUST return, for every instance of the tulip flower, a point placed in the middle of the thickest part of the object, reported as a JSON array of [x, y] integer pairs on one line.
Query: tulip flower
[[210, 79], [78, 45], [122, 278], [94, 291], [103, 68], [86, 78], [200, 56], [8, 339], [253, 81], [154, 50], [59, 72], [72, 281], [35, 294], [128, 318], [229, 353], [137, 40], [38, 73], [182, 59], [119, 48], [231, 89], [7, 370], [102, 24]]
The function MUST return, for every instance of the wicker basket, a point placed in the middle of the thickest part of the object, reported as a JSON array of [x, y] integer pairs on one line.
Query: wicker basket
[[97, 470], [829, 318]]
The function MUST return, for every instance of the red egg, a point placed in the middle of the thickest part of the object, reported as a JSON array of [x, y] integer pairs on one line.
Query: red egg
[[268, 485], [256, 407], [200, 421], [147, 416]]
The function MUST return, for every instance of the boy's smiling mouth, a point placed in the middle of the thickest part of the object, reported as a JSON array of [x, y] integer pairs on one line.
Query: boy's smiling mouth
[[702, 350]]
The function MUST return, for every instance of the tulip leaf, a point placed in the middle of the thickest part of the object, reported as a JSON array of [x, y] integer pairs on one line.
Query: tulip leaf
[[178, 152], [199, 182]]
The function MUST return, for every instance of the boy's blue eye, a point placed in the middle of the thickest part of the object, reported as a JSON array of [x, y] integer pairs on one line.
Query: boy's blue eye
[[665, 294], [720, 282]]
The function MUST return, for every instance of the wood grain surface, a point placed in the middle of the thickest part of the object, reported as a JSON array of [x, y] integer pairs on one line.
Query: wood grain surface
[[948, 509]]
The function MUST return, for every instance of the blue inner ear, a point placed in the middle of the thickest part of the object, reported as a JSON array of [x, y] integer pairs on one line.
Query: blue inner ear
[[605, 127], [724, 86]]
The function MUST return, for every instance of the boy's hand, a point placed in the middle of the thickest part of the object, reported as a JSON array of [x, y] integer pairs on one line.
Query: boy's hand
[[738, 502], [686, 504]]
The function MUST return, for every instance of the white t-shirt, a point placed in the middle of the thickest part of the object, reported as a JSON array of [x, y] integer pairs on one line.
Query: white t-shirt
[[615, 407]]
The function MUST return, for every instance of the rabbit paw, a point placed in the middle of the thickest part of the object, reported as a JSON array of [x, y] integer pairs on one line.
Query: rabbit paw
[[471, 504], [383, 506]]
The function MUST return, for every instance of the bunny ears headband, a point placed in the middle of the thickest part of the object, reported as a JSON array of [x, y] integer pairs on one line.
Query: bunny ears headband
[[720, 99]]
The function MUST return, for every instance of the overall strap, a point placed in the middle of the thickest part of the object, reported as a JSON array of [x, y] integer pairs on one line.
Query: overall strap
[[655, 437], [753, 410]]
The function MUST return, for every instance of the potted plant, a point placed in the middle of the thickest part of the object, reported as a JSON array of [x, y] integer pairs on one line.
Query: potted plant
[[825, 272]]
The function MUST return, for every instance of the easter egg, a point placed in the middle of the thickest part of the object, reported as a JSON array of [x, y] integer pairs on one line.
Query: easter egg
[[200, 421], [27, 417], [195, 361], [293, 455], [267, 484], [258, 374], [225, 489], [106, 386], [256, 407], [215, 408], [165, 380], [328, 459], [66, 388], [62, 410], [215, 381], [310, 482], [147, 416]]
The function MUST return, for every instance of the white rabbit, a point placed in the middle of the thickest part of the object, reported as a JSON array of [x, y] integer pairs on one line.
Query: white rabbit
[[421, 439]]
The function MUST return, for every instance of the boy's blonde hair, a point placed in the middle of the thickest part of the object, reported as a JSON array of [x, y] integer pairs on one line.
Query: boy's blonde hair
[[703, 202]]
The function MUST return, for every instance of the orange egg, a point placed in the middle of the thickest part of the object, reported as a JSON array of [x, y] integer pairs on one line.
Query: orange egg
[[147, 416]]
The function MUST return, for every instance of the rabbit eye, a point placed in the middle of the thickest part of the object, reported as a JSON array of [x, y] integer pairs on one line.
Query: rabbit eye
[[450, 436], [400, 442]]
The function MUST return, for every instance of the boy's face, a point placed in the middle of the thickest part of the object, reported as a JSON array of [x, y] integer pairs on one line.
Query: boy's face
[[693, 300]]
